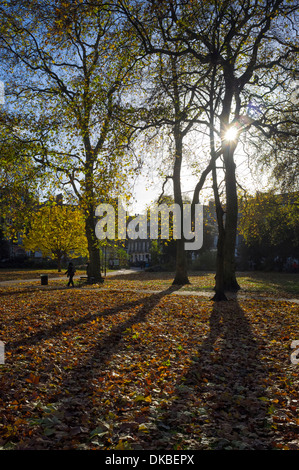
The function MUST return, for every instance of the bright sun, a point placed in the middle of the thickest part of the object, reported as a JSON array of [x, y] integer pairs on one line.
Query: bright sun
[[231, 134]]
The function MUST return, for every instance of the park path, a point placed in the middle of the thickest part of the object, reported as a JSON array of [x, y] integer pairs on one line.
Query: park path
[[231, 296], [59, 278]]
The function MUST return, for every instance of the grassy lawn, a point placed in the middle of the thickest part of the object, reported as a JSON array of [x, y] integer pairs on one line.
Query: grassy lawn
[[23, 274], [263, 283], [272, 284], [119, 367]]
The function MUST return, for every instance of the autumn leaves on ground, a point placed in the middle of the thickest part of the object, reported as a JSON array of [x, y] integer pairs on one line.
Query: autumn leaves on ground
[[138, 364]]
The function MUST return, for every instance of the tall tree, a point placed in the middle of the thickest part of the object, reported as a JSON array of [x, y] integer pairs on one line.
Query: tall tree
[[243, 45], [20, 181], [172, 108], [71, 67]]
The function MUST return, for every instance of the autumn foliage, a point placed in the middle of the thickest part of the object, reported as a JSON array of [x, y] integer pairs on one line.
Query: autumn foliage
[[117, 368], [57, 231]]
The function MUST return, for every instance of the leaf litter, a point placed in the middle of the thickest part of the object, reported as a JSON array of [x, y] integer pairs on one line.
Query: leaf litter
[[93, 369]]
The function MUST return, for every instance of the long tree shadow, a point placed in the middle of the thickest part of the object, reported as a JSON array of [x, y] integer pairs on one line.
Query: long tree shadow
[[76, 402], [228, 378], [51, 332]]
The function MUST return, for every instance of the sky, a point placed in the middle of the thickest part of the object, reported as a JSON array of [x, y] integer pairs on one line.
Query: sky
[[147, 192], [148, 185]]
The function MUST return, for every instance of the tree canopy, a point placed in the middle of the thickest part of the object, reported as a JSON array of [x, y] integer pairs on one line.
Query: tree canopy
[[271, 221], [89, 75], [58, 232], [70, 70], [244, 54]]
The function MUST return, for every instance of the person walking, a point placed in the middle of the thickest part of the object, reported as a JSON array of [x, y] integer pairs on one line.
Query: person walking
[[70, 274]]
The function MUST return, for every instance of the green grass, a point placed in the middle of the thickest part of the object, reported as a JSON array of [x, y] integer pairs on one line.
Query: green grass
[[274, 282], [259, 283], [280, 284]]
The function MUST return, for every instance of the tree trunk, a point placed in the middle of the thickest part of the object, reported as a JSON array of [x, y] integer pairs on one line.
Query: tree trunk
[[219, 278], [231, 211], [94, 270], [59, 263], [181, 275], [231, 222]]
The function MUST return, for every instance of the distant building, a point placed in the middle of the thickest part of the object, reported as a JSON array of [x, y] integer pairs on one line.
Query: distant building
[[139, 251]]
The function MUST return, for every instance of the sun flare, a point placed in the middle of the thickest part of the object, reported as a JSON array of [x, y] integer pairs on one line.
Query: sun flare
[[231, 134]]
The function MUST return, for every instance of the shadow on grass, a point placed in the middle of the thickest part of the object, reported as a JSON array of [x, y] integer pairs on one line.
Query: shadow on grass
[[271, 281], [228, 378], [76, 399], [48, 333]]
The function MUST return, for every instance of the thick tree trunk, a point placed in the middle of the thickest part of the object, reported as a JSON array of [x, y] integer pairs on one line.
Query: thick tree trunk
[[219, 278], [181, 275], [231, 223], [59, 263], [231, 217], [94, 270]]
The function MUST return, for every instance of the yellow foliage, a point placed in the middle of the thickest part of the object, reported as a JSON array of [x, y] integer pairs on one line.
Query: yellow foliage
[[57, 230]]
